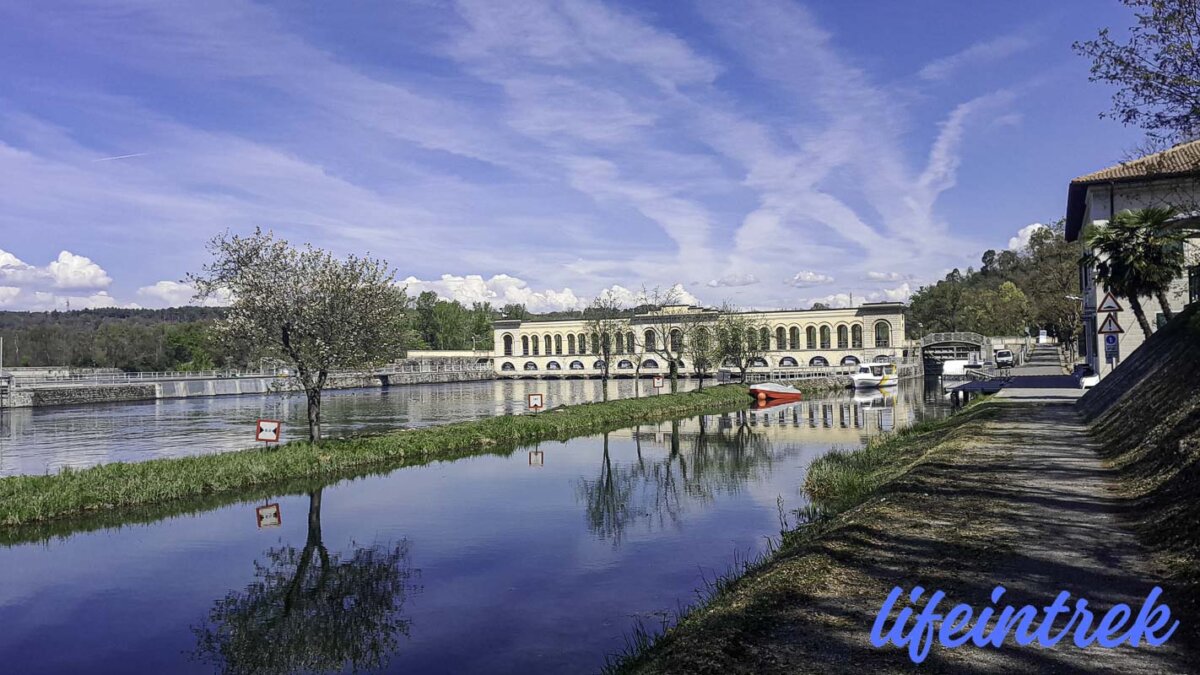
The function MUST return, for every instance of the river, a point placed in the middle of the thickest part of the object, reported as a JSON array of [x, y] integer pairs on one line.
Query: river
[[537, 560]]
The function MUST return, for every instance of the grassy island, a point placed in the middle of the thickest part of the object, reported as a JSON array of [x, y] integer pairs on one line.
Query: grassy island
[[32, 499]]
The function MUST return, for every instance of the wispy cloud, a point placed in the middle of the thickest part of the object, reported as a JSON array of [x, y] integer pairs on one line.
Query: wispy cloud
[[980, 53]]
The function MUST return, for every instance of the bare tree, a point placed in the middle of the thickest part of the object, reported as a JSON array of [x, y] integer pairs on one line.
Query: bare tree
[[606, 324], [319, 312], [667, 335], [737, 339], [700, 346]]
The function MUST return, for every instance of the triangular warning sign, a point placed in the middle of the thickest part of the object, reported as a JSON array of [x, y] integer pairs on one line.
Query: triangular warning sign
[[1110, 325], [1109, 304]]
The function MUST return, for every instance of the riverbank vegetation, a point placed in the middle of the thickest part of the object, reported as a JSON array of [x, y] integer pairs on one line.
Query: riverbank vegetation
[[31, 499]]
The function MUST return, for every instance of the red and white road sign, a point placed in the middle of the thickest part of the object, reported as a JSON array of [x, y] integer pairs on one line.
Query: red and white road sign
[[658, 382], [1109, 304], [268, 431], [1110, 325], [535, 401]]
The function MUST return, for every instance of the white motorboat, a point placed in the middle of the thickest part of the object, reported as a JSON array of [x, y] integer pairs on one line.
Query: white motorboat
[[873, 375]]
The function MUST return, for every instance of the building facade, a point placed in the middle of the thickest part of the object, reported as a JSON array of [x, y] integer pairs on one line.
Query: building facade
[[792, 339], [1165, 179]]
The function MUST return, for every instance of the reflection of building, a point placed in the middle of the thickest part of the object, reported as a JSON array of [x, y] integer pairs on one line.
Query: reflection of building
[[1169, 178], [792, 338]]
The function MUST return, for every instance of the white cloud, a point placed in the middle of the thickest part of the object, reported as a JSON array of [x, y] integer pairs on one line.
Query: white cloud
[[68, 272], [734, 279], [177, 294], [499, 290], [1023, 235], [806, 279], [20, 299], [900, 293], [887, 276], [978, 53]]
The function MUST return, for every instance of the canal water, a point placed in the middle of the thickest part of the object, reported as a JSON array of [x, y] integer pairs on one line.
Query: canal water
[[41, 440], [539, 560]]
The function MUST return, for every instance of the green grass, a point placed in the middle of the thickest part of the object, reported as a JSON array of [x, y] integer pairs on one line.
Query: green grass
[[26, 500]]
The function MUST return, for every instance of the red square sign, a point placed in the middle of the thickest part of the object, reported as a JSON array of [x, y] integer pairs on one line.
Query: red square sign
[[268, 431]]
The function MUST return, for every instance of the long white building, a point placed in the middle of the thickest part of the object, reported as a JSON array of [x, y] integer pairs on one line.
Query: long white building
[[793, 339]]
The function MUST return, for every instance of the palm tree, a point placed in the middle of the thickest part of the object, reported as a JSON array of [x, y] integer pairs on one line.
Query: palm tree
[[1138, 254]]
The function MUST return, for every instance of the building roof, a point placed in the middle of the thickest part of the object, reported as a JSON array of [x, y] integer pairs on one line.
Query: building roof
[[1179, 160]]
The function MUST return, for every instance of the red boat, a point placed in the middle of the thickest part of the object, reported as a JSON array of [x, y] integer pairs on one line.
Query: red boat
[[770, 391]]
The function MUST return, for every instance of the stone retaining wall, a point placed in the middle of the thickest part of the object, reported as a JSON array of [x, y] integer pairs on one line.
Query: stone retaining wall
[[76, 395]]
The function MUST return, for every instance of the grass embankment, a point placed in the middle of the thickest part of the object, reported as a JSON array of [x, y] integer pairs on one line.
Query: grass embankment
[[1146, 416], [794, 604], [25, 500]]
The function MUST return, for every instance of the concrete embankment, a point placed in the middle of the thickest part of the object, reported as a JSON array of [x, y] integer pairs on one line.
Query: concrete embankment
[[110, 388], [1012, 492]]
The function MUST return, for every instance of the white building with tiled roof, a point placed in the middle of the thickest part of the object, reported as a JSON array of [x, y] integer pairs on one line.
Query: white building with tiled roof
[[1168, 178]]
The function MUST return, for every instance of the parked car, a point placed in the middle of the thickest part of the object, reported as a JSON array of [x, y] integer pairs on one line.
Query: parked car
[[1005, 358]]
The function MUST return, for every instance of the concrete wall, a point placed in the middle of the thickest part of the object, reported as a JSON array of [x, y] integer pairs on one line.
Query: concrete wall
[[76, 394]]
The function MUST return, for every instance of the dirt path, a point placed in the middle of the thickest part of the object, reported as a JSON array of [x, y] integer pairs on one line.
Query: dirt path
[[1015, 497]]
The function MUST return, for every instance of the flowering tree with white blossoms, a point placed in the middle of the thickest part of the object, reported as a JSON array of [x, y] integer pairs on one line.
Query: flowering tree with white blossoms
[[304, 305]]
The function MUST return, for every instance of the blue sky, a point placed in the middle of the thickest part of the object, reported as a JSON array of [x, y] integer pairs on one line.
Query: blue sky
[[768, 153]]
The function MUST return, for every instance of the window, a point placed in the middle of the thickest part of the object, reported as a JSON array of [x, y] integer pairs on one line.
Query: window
[[595, 343], [576, 365], [676, 340], [558, 345], [825, 334], [794, 337], [856, 337], [546, 341], [582, 343], [553, 365], [843, 337], [625, 364], [524, 345], [649, 340], [535, 341], [883, 334], [764, 338], [530, 365], [620, 343], [810, 335], [650, 364], [630, 344], [751, 339], [788, 362], [598, 364], [849, 360], [758, 362], [571, 344], [780, 338], [507, 367], [508, 344], [818, 361]]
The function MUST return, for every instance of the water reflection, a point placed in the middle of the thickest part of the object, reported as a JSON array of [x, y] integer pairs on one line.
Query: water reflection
[[310, 610]]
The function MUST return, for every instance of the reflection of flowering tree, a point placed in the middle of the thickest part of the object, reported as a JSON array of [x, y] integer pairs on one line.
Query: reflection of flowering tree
[[312, 611], [698, 467]]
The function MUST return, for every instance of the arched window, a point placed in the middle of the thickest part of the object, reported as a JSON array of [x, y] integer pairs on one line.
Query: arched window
[[758, 362], [524, 345], [818, 361], [648, 340], [507, 367], [788, 362], [825, 337], [558, 345], [620, 343], [843, 337], [856, 336], [571, 343], [606, 342], [582, 344], [625, 364], [849, 360], [530, 365], [553, 365], [536, 344], [576, 365], [751, 339], [507, 344], [595, 343], [630, 343], [547, 343], [676, 340], [598, 364], [650, 364], [764, 338], [794, 337], [882, 358], [810, 335], [883, 334], [780, 338]]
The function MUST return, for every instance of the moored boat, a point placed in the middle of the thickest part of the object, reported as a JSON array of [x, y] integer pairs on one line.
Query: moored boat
[[872, 375], [770, 391]]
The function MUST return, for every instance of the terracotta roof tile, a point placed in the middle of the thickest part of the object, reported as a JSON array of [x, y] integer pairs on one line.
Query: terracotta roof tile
[[1182, 158]]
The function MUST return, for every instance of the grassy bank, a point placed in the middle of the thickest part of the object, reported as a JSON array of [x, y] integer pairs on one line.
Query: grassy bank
[[787, 600], [27, 500]]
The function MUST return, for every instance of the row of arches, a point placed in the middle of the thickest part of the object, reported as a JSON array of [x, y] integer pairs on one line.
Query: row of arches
[[844, 336], [651, 364]]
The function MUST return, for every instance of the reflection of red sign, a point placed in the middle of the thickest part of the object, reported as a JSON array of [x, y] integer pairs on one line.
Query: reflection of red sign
[[268, 431], [537, 458], [269, 516], [535, 401]]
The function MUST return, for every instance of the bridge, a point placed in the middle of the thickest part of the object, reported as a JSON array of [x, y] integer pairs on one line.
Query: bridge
[[937, 348]]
